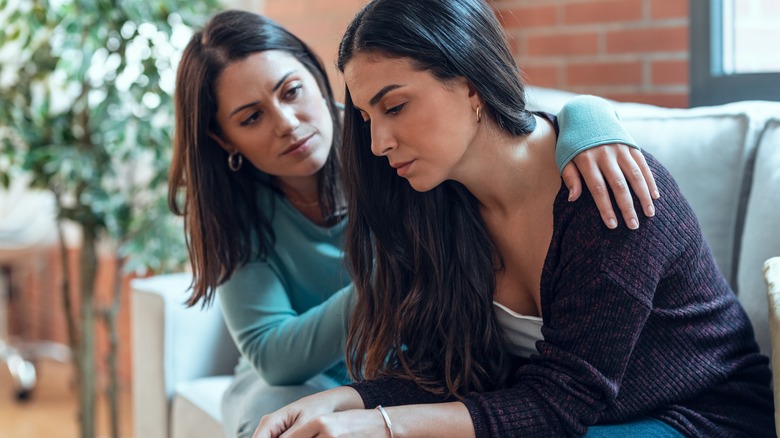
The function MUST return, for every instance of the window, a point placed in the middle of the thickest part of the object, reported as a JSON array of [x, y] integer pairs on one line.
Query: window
[[734, 51]]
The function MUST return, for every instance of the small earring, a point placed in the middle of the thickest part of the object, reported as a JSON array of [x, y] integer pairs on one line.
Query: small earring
[[479, 114], [233, 163]]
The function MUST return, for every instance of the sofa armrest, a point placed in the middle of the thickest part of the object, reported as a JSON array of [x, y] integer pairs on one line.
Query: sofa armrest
[[772, 277], [172, 344]]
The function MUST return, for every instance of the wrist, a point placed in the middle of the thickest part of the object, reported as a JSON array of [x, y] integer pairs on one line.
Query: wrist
[[386, 421], [347, 398]]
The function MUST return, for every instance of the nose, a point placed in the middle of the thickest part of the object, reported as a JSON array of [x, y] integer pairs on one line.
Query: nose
[[287, 121], [381, 140]]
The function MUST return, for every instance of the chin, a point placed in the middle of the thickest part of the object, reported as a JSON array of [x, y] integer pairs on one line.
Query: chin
[[421, 186]]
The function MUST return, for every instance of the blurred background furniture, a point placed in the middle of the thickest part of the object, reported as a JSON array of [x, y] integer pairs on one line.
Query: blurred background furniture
[[726, 160], [772, 277], [27, 232], [183, 361]]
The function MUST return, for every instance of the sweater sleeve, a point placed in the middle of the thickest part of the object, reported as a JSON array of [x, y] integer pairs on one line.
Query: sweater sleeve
[[586, 122], [285, 347]]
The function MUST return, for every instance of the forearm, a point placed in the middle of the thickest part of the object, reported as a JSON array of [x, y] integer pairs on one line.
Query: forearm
[[302, 346], [284, 346], [391, 391], [431, 420]]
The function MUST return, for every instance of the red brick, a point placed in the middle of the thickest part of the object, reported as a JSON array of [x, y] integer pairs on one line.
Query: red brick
[[668, 9], [541, 75], [659, 39], [514, 46], [278, 9], [528, 17], [668, 100], [571, 44], [604, 11], [606, 73], [331, 6], [669, 72]]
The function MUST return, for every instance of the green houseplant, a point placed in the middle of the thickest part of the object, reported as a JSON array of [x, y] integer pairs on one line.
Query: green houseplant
[[86, 113]]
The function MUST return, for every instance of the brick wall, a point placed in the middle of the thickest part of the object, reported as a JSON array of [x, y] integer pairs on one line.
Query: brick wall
[[320, 24], [634, 50]]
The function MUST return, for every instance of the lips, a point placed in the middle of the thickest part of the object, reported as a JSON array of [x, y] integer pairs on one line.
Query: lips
[[402, 167], [297, 145], [399, 165]]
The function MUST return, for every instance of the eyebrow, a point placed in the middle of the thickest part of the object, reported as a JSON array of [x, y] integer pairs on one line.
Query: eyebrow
[[374, 100], [276, 87]]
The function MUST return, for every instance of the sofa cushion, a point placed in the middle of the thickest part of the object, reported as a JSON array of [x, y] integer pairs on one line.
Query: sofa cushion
[[196, 409], [761, 235]]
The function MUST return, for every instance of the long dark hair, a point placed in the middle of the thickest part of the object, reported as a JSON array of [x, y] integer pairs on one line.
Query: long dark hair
[[423, 263], [224, 224]]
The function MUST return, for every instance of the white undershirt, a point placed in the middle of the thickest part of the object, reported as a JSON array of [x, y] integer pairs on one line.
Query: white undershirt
[[521, 331]]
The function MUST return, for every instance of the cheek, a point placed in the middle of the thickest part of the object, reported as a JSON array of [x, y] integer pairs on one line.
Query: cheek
[[324, 123]]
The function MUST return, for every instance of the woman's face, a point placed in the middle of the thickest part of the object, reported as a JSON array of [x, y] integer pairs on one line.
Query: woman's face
[[423, 126], [271, 110]]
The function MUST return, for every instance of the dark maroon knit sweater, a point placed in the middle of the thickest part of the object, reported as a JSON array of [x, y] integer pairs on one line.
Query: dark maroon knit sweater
[[636, 323]]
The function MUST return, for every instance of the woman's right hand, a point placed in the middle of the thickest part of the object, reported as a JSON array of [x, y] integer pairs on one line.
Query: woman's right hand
[[327, 402]]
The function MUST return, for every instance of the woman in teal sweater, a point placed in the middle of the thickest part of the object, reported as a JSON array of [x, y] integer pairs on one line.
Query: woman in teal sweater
[[255, 176]]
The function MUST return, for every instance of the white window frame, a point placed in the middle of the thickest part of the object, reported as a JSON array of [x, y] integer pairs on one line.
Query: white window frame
[[708, 86]]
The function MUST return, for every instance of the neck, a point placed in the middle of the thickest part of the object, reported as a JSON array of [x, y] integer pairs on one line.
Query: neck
[[506, 172], [300, 191]]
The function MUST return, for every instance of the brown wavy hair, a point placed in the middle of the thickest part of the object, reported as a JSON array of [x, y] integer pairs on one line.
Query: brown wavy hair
[[424, 265], [223, 222]]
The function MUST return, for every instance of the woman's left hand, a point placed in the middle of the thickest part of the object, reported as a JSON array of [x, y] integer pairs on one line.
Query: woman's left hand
[[293, 416], [354, 423], [619, 165]]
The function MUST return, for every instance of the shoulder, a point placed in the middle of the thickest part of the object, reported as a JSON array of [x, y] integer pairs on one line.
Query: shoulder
[[580, 236]]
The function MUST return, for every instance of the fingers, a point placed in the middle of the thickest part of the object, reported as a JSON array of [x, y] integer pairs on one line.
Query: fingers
[[620, 189], [621, 168], [314, 427], [571, 177], [633, 173], [598, 190], [271, 426], [262, 430], [646, 172]]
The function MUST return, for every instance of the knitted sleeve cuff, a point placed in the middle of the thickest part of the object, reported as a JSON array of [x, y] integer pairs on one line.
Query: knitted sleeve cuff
[[586, 122]]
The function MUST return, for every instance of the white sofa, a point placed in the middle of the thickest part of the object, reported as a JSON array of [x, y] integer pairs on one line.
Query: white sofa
[[726, 160]]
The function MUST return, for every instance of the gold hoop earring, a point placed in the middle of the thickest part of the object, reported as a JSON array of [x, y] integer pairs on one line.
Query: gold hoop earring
[[479, 114], [233, 163]]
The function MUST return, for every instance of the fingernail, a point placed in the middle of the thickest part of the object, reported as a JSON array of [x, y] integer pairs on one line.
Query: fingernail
[[650, 211], [633, 224], [656, 195], [570, 196], [612, 224]]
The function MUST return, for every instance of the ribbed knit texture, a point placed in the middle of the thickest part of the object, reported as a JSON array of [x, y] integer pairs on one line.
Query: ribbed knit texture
[[636, 323]]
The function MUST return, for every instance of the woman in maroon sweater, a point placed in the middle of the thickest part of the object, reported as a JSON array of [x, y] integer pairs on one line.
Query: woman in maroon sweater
[[488, 305]]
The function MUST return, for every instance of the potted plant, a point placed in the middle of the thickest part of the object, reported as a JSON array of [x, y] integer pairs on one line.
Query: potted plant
[[86, 113]]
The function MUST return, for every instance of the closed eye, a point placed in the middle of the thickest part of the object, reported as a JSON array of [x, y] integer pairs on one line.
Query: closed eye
[[253, 118], [396, 109]]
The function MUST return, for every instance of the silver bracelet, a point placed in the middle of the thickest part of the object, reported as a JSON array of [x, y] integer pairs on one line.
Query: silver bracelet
[[388, 423]]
